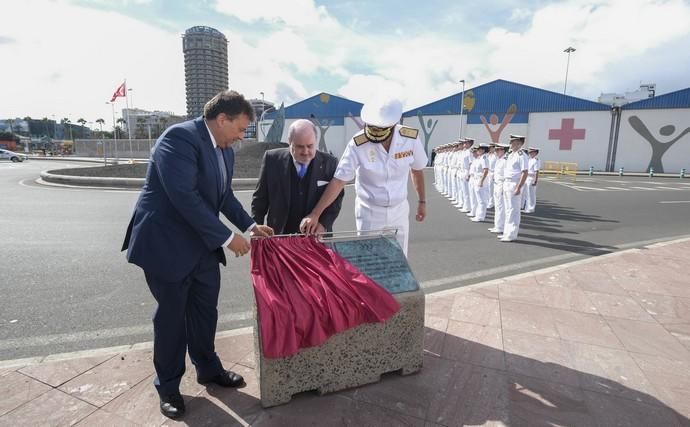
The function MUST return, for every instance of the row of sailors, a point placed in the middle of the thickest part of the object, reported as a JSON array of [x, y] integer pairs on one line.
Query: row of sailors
[[499, 176]]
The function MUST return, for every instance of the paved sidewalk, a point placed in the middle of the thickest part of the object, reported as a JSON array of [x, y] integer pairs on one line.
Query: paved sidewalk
[[604, 341]]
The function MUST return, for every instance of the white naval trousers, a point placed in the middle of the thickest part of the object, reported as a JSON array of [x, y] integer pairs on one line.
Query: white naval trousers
[[490, 179], [512, 208], [530, 194], [473, 197], [453, 193], [465, 190], [499, 206], [372, 217], [481, 196]]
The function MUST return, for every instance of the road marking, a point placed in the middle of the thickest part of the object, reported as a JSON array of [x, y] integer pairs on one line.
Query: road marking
[[670, 188], [674, 202], [44, 340], [617, 188], [583, 188]]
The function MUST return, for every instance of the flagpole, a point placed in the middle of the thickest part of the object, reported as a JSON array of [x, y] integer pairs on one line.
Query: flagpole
[[129, 125]]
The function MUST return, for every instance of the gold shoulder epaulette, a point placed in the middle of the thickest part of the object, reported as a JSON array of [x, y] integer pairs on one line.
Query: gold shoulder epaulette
[[360, 139], [409, 132]]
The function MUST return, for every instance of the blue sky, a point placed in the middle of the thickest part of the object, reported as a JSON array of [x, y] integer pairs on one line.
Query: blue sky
[[70, 55]]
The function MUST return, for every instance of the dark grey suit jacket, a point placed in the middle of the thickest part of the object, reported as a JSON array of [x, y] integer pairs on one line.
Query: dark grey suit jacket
[[272, 194]]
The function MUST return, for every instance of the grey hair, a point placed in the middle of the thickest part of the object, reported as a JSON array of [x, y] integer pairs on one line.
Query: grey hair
[[297, 127]]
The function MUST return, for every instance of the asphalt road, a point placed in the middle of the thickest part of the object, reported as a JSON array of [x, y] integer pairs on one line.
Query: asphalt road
[[65, 284]]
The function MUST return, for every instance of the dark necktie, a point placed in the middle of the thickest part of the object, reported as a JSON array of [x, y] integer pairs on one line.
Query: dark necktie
[[302, 170], [223, 170]]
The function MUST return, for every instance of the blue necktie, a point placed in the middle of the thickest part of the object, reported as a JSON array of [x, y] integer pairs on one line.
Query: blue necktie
[[302, 170], [223, 170]]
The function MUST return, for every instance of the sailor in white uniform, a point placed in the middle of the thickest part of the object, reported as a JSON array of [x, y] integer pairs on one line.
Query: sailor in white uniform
[[499, 204], [479, 182], [380, 158], [515, 175], [492, 164], [533, 167], [465, 161]]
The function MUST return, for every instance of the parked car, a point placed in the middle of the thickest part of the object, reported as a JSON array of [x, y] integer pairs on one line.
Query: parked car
[[11, 155]]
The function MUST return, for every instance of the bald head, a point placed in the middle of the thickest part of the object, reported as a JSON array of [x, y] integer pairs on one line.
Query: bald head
[[302, 140]]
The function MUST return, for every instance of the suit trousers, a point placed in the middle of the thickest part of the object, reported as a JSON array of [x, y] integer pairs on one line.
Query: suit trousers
[[372, 217], [186, 319]]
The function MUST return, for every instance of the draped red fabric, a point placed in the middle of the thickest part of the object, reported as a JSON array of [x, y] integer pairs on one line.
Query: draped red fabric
[[305, 293]]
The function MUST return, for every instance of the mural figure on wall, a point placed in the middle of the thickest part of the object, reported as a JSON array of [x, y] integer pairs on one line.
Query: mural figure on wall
[[495, 134], [658, 147], [322, 131], [567, 134], [359, 122], [427, 128], [275, 133]]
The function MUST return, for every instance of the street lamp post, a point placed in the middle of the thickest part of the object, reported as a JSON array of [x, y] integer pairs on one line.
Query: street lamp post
[[129, 125], [462, 104], [569, 50], [112, 105], [261, 117]]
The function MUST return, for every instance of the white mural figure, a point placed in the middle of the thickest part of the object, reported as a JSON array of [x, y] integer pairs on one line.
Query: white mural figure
[[658, 147], [322, 131], [495, 134], [428, 129]]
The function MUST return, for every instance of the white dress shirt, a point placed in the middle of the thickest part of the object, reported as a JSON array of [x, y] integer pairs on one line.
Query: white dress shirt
[[380, 175]]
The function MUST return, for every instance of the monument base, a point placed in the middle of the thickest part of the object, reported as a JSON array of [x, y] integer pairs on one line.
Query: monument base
[[351, 358]]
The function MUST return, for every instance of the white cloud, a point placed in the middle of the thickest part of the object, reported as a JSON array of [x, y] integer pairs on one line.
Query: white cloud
[[63, 69], [66, 70], [293, 13]]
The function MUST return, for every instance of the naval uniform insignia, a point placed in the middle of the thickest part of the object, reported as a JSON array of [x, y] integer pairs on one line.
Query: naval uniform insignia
[[409, 132], [360, 139]]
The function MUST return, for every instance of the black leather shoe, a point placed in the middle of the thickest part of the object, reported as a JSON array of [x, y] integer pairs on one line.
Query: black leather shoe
[[225, 379], [172, 405]]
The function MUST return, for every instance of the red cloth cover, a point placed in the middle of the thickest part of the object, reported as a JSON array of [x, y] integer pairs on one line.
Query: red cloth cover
[[306, 292]]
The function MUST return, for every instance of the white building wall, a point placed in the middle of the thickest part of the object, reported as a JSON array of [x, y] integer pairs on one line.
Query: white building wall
[[586, 152], [634, 151], [435, 130]]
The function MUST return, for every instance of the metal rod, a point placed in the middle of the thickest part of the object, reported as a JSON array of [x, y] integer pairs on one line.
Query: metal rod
[[341, 235]]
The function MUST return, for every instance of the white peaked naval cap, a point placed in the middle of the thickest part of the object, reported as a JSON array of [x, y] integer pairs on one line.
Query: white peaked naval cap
[[382, 112]]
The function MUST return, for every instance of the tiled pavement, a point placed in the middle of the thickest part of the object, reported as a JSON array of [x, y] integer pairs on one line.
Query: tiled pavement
[[605, 341]]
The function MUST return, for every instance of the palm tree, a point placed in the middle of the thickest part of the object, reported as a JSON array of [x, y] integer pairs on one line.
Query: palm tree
[[66, 123], [122, 122], [101, 122]]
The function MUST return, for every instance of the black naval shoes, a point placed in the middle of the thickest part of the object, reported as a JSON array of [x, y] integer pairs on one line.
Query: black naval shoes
[[172, 405], [224, 379]]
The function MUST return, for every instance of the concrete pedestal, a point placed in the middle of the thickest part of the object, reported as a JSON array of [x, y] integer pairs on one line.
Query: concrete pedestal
[[351, 358]]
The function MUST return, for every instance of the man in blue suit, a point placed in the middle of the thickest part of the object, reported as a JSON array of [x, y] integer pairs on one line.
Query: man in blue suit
[[176, 236]]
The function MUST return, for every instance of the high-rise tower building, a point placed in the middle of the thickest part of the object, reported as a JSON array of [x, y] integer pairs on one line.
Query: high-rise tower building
[[205, 66]]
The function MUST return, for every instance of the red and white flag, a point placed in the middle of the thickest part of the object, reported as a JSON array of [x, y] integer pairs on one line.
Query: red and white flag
[[120, 91]]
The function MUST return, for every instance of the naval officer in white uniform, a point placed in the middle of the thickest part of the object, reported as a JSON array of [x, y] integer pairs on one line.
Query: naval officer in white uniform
[[515, 174], [379, 158], [532, 177]]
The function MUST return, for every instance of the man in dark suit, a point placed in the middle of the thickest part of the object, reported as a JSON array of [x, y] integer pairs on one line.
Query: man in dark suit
[[176, 236], [292, 181]]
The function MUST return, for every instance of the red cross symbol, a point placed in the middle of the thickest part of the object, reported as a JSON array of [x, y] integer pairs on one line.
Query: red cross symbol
[[566, 134]]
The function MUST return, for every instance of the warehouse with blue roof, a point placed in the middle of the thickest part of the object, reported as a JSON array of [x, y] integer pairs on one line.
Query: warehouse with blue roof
[[652, 133]]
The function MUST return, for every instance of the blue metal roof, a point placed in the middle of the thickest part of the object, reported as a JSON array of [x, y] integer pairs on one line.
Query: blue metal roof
[[498, 96], [677, 99], [328, 109]]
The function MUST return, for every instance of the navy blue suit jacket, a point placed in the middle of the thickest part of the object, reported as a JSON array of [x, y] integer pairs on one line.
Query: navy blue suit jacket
[[176, 219]]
